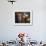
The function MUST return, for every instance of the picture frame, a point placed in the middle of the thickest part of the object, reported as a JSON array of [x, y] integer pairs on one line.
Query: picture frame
[[28, 21]]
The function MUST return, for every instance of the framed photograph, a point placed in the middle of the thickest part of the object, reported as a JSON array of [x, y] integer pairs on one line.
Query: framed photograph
[[23, 18]]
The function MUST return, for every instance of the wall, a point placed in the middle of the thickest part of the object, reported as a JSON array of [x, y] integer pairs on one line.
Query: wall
[[9, 31]]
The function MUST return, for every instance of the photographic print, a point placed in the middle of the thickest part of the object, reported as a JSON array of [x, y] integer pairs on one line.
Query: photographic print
[[23, 18]]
